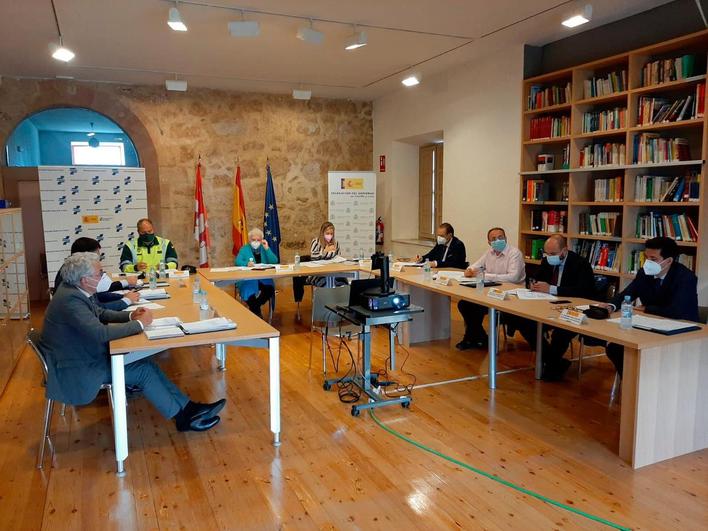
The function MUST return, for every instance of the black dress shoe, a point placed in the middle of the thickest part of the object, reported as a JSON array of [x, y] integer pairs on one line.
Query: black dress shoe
[[464, 345], [194, 411], [201, 424], [556, 371]]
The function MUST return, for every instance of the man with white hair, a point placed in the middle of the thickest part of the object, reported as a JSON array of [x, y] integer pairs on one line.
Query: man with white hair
[[75, 339], [256, 292]]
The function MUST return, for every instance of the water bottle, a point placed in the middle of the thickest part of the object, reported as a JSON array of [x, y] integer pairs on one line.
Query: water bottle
[[163, 274], [296, 261], [152, 277], [626, 313], [203, 305], [427, 271], [480, 279], [251, 263], [196, 290], [361, 255]]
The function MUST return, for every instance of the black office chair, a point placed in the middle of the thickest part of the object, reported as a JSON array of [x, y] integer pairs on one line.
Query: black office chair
[[603, 291], [299, 286]]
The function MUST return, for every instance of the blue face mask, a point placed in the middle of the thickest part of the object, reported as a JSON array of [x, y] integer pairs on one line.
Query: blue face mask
[[553, 260], [498, 245]]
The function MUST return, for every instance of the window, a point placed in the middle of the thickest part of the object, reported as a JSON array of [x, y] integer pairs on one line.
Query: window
[[106, 154], [430, 181]]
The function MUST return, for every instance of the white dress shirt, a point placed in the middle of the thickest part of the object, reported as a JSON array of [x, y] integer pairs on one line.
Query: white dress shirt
[[88, 296], [506, 266]]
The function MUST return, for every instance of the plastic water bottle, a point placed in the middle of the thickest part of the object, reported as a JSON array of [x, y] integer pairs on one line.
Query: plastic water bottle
[[196, 290], [203, 305], [152, 277], [480, 279], [296, 261], [427, 271], [361, 255], [626, 313], [163, 274]]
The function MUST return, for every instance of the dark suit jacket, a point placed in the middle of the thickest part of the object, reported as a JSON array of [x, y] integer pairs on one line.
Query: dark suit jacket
[[676, 297], [75, 339], [107, 299], [456, 255], [577, 279]]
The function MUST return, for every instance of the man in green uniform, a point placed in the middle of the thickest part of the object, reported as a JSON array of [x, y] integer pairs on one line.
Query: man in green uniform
[[147, 251]]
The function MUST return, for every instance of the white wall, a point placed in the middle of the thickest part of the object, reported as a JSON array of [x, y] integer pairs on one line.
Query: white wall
[[478, 108]]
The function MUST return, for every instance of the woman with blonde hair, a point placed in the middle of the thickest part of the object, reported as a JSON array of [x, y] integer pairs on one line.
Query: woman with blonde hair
[[324, 247]]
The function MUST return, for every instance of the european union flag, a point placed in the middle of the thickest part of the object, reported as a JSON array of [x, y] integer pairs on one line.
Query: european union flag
[[271, 225]]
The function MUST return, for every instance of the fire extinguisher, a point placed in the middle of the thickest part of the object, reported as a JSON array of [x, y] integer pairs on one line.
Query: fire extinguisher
[[379, 231]]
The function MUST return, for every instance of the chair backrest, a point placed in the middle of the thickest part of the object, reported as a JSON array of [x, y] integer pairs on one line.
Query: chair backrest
[[703, 314], [323, 297], [33, 341]]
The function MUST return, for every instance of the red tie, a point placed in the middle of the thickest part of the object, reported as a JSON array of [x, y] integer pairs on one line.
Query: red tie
[[554, 276]]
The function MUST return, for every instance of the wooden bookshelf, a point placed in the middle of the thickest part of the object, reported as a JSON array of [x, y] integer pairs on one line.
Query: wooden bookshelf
[[580, 181]]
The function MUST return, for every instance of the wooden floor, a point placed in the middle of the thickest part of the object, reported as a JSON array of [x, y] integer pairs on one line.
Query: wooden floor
[[334, 471]]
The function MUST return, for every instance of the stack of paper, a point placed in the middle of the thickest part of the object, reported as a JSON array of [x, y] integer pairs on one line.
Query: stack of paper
[[455, 275], [208, 325], [164, 327], [144, 304], [154, 294], [528, 295]]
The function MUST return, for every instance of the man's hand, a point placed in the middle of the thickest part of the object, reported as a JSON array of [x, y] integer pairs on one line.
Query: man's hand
[[543, 287], [141, 266], [132, 296], [143, 315], [471, 272], [132, 280], [264, 243]]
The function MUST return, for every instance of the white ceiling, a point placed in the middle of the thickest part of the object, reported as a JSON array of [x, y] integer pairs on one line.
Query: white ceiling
[[128, 41]]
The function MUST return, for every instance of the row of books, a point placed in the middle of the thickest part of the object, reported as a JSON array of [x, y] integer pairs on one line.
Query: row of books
[[609, 189], [662, 188], [605, 120], [662, 110], [538, 190], [549, 127], [651, 147], [595, 155], [540, 96], [665, 70], [600, 223], [680, 227], [549, 220], [636, 260], [603, 256], [604, 86]]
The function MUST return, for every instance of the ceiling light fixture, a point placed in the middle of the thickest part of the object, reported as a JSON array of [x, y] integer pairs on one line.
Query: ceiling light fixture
[[61, 53], [177, 85], [357, 40], [579, 18], [412, 80], [301, 94], [310, 34], [174, 20], [244, 28]]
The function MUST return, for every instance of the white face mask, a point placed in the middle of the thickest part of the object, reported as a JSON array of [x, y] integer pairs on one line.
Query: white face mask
[[651, 268], [441, 240], [255, 245], [103, 284]]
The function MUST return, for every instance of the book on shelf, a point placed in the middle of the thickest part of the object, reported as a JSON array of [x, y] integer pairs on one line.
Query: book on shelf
[[609, 189], [667, 189], [635, 261], [653, 148], [700, 100], [549, 127], [565, 157], [539, 191], [665, 70], [548, 220], [605, 120], [604, 86], [661, 110], [600, 223], [540, 96], [603, 256], [607, 154], [679, 227], [537, 249]]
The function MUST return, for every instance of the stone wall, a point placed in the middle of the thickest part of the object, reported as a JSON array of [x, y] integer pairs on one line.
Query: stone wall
[[302, 140]]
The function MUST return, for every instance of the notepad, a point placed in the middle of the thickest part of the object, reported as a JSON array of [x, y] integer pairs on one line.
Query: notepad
[[154, 294], [209, 325], [164, 332]]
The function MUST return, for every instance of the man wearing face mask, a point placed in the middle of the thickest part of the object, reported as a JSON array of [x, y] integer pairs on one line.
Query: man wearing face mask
[[567, 274], [75, 338], [664, 286], [449, 250], [147, 251], [501, 263], [256, 292]]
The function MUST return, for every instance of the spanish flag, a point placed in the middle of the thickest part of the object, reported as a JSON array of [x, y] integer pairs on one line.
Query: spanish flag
[[238, 225]]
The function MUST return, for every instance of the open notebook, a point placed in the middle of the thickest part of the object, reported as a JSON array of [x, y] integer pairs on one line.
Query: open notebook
[[173, 327]]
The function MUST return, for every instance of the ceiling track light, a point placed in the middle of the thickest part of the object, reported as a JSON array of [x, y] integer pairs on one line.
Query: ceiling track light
[[174, 19], [411, 80], [61, 53], [579, 19], [357, 40], [310, 34], [244, 28]]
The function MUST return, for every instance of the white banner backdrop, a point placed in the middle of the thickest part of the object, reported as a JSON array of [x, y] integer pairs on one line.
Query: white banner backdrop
[[96, 202], [352, 209]]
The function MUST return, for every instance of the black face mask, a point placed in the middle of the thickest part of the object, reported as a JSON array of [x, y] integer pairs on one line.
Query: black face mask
[[146, 239]]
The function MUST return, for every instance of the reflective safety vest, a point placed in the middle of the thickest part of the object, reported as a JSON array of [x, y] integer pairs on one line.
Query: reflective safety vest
[[152, 256]]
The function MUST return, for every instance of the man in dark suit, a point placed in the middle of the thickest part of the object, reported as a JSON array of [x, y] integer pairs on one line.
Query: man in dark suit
[[449, 251], [566, 274], [664, 286], [75, 341]]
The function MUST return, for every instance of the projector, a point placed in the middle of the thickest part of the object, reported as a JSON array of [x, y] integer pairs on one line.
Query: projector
[[389, 301]]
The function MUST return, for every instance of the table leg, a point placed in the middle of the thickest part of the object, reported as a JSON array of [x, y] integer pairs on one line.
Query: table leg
[[274, 364], [539, 350], [493, 336], [120, 417], [392, 346], [366, 356], [221, 356]]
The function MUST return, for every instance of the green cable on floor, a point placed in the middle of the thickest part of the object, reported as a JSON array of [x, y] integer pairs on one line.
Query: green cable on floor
[[497, 478]]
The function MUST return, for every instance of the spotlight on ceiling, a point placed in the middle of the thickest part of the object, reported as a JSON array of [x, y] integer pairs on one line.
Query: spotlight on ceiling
[[412, 80], [310, 34], [62, 53], [300, 94], [357, 40], [178, 85], [579, 18], [244, 28], [174, 20]]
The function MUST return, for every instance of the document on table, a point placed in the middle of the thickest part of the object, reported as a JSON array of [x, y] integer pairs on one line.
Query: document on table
[[147, 305], [208, 325], [164, 327], [152, 294], [311, 264], [408, 264], [455, 275], [228, 269], [528, 295], [656, 323]]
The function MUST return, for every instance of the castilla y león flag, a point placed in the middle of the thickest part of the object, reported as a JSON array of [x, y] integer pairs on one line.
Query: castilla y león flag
[[201, 226]]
